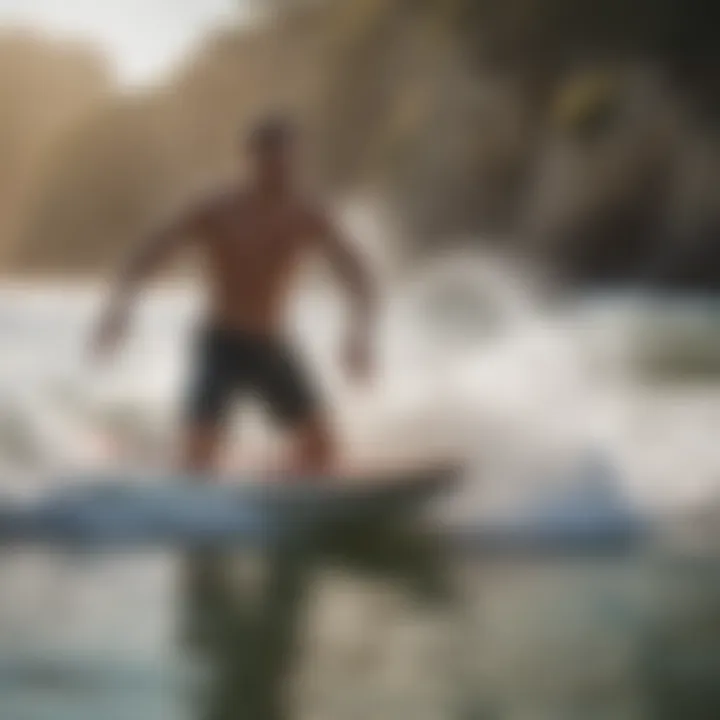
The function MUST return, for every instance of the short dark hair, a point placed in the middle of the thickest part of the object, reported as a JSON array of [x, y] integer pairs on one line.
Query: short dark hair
[[271, 131]]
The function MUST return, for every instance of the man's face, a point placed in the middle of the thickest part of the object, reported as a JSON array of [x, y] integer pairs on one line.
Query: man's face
[[273, 161]]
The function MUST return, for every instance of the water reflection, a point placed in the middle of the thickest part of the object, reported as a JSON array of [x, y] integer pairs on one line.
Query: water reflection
[[370, 621], [680, 671], [246, 627], [246, 641]]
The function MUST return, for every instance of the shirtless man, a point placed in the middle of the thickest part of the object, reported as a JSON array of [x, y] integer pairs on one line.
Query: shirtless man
[[251, 237]]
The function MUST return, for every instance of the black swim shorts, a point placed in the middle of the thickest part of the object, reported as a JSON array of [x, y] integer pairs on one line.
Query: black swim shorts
[[229, 364]]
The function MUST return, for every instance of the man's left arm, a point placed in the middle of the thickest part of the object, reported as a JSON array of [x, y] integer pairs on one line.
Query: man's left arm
[[354, 273]]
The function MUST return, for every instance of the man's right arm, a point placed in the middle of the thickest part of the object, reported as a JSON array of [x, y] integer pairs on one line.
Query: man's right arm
[[150, 256]]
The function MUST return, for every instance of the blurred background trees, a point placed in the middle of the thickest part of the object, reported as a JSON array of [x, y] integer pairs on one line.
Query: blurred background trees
[[583, 133]]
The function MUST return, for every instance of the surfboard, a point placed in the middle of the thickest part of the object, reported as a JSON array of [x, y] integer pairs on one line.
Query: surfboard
[[163, 509]]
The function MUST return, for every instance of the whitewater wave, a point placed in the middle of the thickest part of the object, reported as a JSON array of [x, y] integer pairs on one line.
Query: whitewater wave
[[471, 363]]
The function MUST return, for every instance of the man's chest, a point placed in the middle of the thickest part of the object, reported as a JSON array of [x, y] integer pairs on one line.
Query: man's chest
[[258, 237]]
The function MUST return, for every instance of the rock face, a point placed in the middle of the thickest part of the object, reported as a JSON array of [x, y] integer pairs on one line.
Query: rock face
[[587, 137], [137, 154], [45, 88]]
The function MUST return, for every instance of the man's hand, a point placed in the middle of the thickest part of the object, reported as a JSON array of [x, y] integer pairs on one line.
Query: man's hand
[[351, 270], [357, 357], [109, 332]]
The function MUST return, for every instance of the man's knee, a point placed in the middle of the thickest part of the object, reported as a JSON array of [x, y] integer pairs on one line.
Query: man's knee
[[199, 452], [315, 446]]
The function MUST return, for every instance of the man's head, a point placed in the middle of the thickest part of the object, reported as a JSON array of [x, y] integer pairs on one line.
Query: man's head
[[271, 146]]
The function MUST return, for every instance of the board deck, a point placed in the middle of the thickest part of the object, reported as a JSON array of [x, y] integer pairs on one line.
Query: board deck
[[141, 510]]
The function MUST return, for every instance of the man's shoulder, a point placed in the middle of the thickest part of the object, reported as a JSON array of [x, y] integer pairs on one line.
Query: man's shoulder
[[312, 202], [312, 210], [204, 207], [218, 198]]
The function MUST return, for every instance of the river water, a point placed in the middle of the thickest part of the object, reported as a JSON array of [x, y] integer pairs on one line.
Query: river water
[[382, 626]]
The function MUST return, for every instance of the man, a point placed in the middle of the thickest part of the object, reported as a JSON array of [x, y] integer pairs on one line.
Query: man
[[251, 236]]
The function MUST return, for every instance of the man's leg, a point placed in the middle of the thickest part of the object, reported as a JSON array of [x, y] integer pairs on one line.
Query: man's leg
[[313, 449], [200, 448], [297, 406], [210, 392]]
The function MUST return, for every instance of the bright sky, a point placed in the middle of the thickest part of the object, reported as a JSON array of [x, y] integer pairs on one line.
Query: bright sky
[[146, 38]]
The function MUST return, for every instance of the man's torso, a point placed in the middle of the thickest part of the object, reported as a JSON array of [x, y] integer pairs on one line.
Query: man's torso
[[251, 249]]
